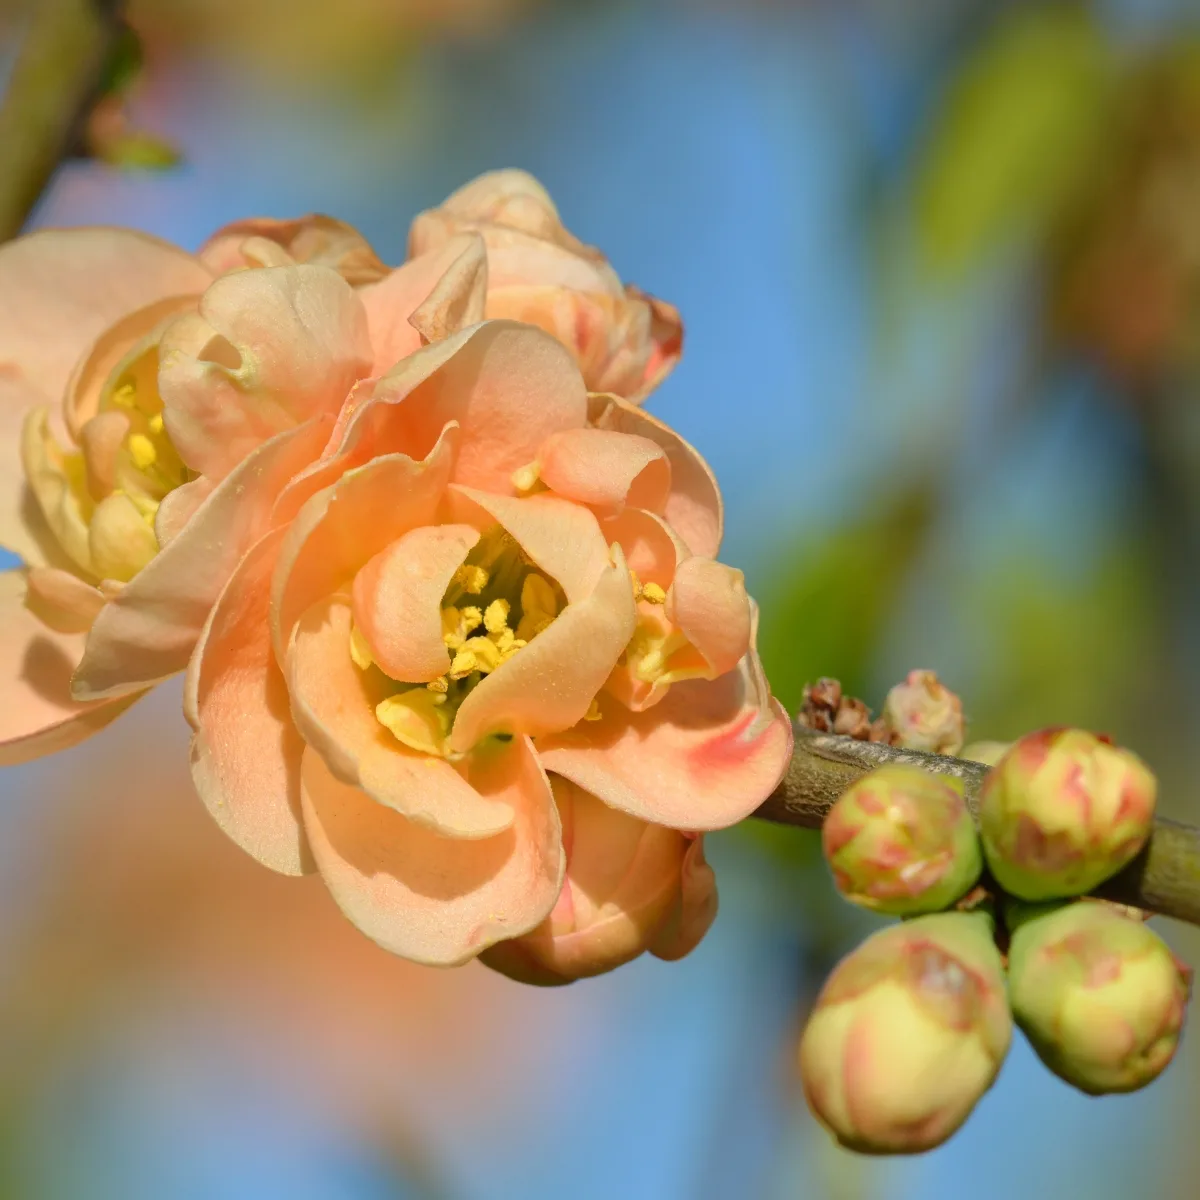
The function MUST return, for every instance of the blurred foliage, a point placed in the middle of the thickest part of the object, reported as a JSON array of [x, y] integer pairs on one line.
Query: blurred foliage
[[1016, 133], [827, 610]]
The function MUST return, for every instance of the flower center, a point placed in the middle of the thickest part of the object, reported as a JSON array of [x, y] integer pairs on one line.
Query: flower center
[[496, 604]]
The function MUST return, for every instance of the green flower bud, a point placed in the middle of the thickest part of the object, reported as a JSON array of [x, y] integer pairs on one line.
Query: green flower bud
[[901, 840], [1063, 811], [988, 753], [907, 1034], [1100, 996]]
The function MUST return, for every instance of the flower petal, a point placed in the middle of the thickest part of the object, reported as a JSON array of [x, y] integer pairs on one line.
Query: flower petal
[[81, 400], [508, 386], [344, 526], [694, 508], [315, 238], [704, 757], [431, 899], [23, 528], [149, 631], [550, 684], [427, 299], [38, 716], [652, 548], [268, 350], [60, 289], [666, 334], [62, 600], [47, 469], [695, 910], [334, 705], [398, 595], [562, 538], [246, 752], [606, 469], [708, 602]]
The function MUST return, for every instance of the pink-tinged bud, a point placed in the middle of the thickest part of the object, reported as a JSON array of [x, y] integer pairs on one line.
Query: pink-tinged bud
[[902, 841], [1063, 811], [1100, 996], [630, 886], [988, 753], [923, 714], [907, 1035]]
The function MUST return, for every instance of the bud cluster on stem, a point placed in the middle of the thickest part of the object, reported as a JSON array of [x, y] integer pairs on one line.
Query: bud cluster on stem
[[912, 1027]]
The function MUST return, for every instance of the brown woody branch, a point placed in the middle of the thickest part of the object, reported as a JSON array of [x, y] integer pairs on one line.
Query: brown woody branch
[[1164, 878], [54, 83]]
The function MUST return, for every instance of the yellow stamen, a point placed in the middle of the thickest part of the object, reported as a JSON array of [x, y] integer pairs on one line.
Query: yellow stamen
[[457, 624], [503, 640], [360, 652], [142, 451], [485, 652], [495, 620], [538, 596], [156, 423], [413, 718], [593, 713], [471, 579], [462, 666], [654, 594], [441, 684], [125, 396], [637, 585], [525, 479]]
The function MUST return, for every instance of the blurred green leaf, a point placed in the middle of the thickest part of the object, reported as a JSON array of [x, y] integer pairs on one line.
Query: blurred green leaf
[[827, 610], [1019, 126]]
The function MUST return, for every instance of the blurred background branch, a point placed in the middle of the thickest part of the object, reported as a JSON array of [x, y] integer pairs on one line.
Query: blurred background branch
[[59, 72], [1164, 878]]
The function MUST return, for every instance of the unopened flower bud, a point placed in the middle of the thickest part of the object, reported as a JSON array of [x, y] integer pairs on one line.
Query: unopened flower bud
[[1100, 996], [923, 714], [901, 840], [986, 752], [1063, 811], [630, 886], [907, 1034]]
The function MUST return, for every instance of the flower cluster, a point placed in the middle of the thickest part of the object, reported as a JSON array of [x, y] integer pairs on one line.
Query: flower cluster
[[912, 1027], [454, 630]]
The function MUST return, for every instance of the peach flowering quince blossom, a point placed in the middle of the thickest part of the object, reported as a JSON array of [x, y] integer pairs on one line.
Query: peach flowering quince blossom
[[155, 410], [624, 340], [490, 681]]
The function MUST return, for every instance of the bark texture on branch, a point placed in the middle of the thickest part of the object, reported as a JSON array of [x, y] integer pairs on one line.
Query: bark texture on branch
[[1164, 878], [59, 69]]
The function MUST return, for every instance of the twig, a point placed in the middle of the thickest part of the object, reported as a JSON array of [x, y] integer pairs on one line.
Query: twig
[[54, 83], [1164, 878]]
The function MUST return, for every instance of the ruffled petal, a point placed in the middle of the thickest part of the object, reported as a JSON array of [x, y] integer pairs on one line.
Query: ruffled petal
[[60, 289], [426, 300], [652, 548], [436, 900], [81, 401], [344, 526], [561, 538], [695, 908], [694, 509], [317, 239], [268, 350], [246, 751], [38, 716], [334, 705], [705, 757], [605, 469], [149, 631], [23, 528], [666, 338], [398, 596], [550, 684], [508, 386], [708, 603]]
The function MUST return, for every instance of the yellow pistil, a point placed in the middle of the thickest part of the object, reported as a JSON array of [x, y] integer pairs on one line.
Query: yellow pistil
[[142, 451], [471, 579], [360, 652]]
